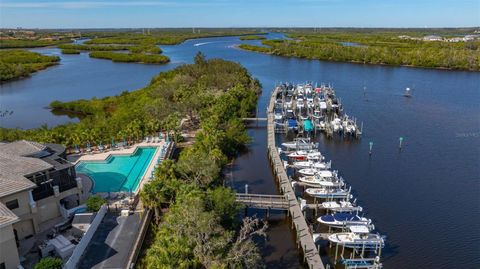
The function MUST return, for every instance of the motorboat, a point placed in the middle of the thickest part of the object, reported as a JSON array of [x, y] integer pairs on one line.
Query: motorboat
[[359, 237], [307, 125], [300, 104], [299, 144], [341, 206], [289, 114], [288, 102], [292, 124], [337, 125], [278, 115], [306, 155], [309, 171], [331, 193], [311, 164], [317, 114], [341, 220], [313, 181]]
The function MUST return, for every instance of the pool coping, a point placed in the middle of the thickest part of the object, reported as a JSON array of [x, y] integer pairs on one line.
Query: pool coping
[[104, 156]]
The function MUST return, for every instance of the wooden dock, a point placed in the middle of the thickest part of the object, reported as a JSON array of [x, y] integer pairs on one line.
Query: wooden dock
[[304, 236], [263, 201]]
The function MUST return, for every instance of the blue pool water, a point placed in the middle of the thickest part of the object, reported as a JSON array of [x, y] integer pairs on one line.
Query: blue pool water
[[118, 172]]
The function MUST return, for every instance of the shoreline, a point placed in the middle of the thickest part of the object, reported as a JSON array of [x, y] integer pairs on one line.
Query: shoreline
[[361, 63]]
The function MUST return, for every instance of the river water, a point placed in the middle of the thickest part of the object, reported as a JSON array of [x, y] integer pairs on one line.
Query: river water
[[424, 198]]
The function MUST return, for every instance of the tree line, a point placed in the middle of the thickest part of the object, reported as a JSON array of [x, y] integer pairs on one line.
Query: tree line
[[375, 48], [200, 229], [21, 63]]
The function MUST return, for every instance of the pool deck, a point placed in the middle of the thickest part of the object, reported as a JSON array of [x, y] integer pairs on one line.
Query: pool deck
[[102, 156]]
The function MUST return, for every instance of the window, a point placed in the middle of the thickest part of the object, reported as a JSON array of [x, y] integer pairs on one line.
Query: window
[[12, 205]]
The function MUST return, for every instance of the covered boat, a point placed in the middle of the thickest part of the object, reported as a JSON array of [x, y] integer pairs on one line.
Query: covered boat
[[307, 125]]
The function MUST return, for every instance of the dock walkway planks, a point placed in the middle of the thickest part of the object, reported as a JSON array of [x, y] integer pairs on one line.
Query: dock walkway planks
[[304, 235]]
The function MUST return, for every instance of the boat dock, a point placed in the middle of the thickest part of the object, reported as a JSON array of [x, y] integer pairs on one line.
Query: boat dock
[[304, 108], [304, 235]]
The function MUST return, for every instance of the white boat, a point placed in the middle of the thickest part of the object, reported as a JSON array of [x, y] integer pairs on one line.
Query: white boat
[[311, 164], [337, 125], [300, 104], [313, 181], [358, 237], [311, 171], [328, 193], [323, 105], [306, 155], [317, 114], [341, 220], [299, 144], [341, 206]]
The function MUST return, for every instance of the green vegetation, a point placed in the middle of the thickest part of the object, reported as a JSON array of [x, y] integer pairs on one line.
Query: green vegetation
[[375, 47], [21, 63], [199, 229], [49, 263], [164, 37], [28, 43], [255, 48], [94, 203], [92, 47], [143, 52], [253, 37], [130, 57], [70, 51], [186, 91]]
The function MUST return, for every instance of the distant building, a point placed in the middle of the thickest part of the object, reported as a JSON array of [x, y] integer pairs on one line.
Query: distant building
[[36, 184], [432, 38]]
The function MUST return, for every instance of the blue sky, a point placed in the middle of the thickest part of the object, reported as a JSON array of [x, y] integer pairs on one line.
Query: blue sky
[[240, 13]]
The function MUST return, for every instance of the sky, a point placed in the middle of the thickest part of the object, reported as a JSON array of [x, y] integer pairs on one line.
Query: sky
[[239, 13]]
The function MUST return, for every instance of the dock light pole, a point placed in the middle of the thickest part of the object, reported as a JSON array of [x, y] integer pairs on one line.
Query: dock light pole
[[371, 146], [400, 140]]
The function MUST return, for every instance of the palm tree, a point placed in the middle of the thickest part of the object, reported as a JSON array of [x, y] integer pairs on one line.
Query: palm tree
[[152, 197]]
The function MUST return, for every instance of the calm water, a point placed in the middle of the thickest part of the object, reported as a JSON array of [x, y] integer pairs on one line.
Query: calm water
[[426, 198], [119, 172]]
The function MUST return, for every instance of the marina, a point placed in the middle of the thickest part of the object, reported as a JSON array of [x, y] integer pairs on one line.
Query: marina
[[307, 109], [346, 229], [433, 117]]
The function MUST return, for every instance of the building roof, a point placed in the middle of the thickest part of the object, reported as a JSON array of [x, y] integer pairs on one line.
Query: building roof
[[6, 216], [22, 148], [15, 165]]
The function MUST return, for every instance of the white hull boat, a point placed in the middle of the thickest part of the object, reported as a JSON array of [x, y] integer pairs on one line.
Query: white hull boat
[[341, 220], [328, 193], [315, 182], [300, 144], [341, 206], [310, 164], [359, 237], [306, 155]]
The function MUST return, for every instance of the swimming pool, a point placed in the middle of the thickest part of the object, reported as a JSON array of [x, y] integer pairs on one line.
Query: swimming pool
[[118, 172]]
